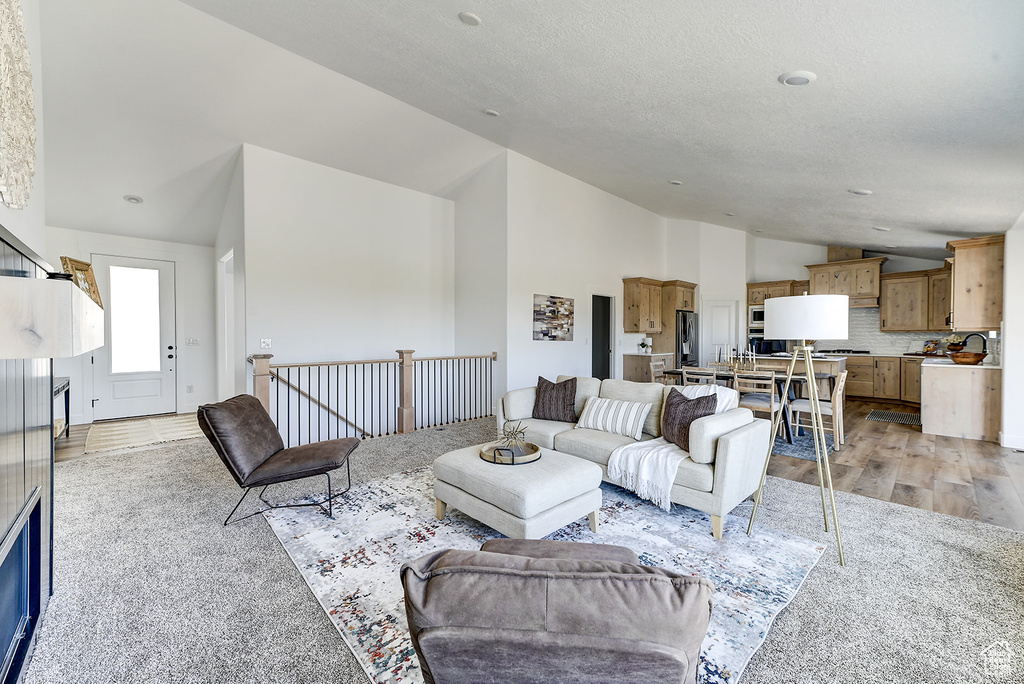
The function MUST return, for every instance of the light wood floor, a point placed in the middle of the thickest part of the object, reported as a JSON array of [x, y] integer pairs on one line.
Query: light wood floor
[[891, 462], [965, 478]]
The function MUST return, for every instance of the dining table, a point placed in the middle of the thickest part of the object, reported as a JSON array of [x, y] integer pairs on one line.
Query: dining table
[[726, 375]]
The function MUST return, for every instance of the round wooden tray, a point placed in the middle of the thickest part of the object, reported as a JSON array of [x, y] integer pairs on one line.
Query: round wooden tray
[[497, 454]]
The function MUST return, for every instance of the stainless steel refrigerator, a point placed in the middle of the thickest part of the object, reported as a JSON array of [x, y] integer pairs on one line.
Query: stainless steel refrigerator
[[687, 339]]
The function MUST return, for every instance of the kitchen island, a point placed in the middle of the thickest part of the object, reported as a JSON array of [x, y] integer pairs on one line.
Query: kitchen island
[[961, 401]]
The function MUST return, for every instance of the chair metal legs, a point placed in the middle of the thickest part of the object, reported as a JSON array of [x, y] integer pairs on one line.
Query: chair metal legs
[[328, 499]]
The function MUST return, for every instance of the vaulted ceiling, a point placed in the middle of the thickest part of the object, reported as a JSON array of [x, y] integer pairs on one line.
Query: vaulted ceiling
[[918, 101]]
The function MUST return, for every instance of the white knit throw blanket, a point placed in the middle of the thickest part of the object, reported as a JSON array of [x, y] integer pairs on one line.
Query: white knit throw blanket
[[647, 468]]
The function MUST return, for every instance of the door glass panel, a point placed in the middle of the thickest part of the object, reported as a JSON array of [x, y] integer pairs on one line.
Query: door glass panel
[[134, 320]]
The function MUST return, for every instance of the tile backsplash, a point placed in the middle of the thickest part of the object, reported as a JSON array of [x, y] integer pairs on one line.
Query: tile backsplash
[[864, 334]]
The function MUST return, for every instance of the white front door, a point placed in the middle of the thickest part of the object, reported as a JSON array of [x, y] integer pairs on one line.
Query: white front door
[[133, 373]]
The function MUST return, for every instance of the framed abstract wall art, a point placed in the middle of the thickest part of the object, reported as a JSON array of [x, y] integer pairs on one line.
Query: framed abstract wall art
[[552, 318]]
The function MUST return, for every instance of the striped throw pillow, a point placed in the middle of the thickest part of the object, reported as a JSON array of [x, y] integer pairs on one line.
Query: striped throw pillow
[[624, 418]]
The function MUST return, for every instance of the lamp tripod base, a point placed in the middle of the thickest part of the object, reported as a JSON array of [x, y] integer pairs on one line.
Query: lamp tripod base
[[828, 495]]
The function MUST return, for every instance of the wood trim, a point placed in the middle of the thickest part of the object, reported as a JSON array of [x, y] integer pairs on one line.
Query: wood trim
[[915, 274], [839, 253], [643, 281], [677, 283], [954, 245], [849, 262]]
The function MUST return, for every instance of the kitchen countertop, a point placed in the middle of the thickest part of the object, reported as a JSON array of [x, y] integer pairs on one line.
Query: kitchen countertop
[[949, 362]]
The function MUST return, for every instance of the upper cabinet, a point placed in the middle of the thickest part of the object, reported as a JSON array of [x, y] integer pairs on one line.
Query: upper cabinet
[[858, 278], [641, 311], [940, 286], [677, 295], [915, 301], [758, 292], [977, 291]]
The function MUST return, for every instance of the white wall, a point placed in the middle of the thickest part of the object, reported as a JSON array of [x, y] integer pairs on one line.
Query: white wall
[[29, 224], [342, 267], [481, 267], [570, 239], [781, 260], [1013, 337], [682, 251], [194, 313], [723, 277], [901, 264], [230, 291]]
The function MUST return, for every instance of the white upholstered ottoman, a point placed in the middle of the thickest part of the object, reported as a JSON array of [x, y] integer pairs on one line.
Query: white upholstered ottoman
[[526, 501]]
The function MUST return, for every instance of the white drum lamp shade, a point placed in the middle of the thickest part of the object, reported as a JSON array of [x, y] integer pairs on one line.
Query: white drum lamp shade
[[807, 317]]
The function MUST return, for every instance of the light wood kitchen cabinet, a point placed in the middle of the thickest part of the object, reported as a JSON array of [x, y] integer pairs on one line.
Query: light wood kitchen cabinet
[[637, 367], [860, 279], [860, 378], [677, 295], [910, 380], [977, 290], [903, 302], [641, 311], [758, 292], [887, 377], [940, 283], [873, 376], [962, 401], [801, 286]]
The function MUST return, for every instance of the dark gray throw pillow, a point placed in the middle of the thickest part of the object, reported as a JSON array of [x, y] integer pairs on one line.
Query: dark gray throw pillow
[[680, 412], [556, 401]]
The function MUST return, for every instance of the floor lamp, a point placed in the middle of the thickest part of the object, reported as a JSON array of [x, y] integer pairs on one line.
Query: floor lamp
[[808, 317]]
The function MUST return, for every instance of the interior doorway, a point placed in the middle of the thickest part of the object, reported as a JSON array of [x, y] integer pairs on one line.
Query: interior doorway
[[601, 336], [134, 371]]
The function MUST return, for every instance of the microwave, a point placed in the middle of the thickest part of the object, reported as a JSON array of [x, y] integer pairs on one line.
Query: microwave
[[755, 316]]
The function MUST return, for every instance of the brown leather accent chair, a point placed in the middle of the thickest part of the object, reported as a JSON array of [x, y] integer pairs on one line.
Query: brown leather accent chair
[[249, 443], [540, 611]]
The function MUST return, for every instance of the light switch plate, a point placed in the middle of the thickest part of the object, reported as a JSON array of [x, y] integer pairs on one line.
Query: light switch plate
[[192, 341], [265, 343]]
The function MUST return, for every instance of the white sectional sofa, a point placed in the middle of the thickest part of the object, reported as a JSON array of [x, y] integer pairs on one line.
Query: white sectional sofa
[[727, 450]]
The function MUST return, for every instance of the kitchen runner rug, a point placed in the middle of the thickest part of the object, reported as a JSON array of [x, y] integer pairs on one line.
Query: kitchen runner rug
[[901, 417], [351, 565], [124, 434]]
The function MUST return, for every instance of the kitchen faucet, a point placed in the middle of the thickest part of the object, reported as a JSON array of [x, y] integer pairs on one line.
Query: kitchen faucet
[[984, 341]]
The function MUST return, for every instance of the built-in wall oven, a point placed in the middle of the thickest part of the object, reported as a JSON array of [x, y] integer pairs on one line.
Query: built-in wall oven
[[755, 316]]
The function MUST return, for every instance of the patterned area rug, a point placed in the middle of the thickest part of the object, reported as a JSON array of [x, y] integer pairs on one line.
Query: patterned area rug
[[351, 564], [802, 446], [136, 433]]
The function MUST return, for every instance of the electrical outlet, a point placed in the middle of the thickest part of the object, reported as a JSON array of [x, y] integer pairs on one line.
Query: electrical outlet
[[265, 343], [192, 341], [189, 388]]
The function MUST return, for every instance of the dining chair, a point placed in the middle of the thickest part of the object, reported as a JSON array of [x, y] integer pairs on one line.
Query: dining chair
[[757, 391], [832, 410], [698, 376], [658, 373]]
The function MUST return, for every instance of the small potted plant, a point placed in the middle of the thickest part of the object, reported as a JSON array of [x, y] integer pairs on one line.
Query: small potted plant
[[643, 346], [954, 343]]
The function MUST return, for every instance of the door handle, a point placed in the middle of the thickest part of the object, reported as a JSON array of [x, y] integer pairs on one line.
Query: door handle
[[170, 356]]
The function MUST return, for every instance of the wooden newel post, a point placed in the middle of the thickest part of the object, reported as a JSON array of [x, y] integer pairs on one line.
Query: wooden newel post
[[406, 408], [261, 378]]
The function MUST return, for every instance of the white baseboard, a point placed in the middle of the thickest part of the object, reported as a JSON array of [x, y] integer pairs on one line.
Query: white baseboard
[[1011, 441]]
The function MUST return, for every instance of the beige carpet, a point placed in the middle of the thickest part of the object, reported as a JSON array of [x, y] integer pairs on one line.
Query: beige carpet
[[136, 433]]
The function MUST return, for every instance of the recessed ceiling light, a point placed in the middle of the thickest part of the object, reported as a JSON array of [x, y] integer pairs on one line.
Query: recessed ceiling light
[[855, 191], [492, 112], [797, 78], [133, 199], [758, 231], [728, 214], [890, 246], [882, 228], [469, 18], [675, 182]]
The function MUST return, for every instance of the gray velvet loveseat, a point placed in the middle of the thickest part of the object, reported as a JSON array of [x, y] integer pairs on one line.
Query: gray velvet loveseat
[[722, 468]]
